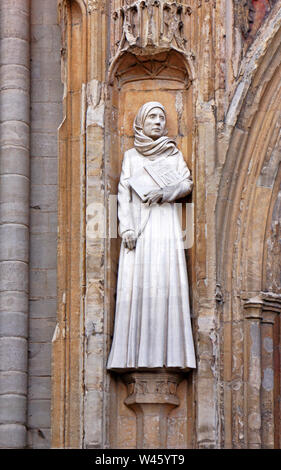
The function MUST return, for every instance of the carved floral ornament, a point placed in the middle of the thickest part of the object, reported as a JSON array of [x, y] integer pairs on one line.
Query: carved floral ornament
[[151, 23]]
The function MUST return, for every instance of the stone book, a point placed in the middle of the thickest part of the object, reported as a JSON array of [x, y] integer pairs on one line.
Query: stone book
[[154, 175]]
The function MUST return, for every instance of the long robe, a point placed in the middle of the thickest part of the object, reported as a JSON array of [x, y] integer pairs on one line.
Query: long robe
[[152, 320]]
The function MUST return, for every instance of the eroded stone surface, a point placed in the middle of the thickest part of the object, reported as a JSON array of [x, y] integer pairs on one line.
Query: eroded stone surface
[[224, 109]]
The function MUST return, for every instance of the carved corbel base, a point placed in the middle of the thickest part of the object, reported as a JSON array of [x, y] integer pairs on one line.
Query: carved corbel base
[[152, 395]]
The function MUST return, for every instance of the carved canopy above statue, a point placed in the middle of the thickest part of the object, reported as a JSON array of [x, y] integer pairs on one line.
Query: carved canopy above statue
[[151, 24]]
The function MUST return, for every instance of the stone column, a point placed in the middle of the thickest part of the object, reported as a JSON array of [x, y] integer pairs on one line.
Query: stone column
[[253, 309], [269, 342], [14, 219], [267, 389], [152, 395]]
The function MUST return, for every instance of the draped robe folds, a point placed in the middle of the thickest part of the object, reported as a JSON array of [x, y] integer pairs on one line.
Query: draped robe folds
[[152, 320]]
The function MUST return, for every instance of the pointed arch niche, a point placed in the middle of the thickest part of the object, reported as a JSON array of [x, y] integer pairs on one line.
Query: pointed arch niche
[[134, 80]]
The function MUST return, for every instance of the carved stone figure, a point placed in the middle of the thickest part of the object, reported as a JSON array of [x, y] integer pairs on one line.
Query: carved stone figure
[[152, 321]]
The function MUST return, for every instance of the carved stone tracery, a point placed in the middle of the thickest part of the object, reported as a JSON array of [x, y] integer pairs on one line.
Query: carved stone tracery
[[161, 66], [151, 23]]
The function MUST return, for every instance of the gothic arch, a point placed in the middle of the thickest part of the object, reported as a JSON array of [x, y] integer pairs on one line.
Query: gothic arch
[[245, 204]]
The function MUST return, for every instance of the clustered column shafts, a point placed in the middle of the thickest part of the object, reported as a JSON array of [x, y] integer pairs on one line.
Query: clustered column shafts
[[14, 219]]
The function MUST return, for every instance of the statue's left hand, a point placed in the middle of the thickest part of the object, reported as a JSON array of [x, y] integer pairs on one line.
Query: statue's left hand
[[153, 196], [129, 239]]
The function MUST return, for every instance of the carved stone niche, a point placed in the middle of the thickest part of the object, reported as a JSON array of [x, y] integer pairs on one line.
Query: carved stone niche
[[135, 79]]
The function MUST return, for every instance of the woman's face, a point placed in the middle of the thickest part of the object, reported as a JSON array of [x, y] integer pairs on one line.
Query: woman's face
[[155, 123]]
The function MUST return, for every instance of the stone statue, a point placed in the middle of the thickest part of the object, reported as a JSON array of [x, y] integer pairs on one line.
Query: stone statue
[[152, 321]]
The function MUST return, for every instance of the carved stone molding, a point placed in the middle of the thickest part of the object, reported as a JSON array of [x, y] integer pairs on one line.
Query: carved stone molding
[[62, 8], [273, 273], [92, 5], [149, 24], [253, 308], [271, 302], [152, 395], [152, 387], [264, 302]]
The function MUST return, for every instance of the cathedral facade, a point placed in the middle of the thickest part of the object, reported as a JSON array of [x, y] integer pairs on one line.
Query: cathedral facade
[[73, 75]]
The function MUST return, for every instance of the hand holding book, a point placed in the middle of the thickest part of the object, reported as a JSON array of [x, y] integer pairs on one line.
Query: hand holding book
[[153, 196], [150, 180]]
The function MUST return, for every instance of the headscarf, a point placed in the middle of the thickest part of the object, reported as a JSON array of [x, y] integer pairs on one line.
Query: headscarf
[[164, 146]]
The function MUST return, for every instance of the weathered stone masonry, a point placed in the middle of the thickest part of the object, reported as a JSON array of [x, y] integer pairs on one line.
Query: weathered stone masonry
[[46, 115], [69, 69], [31, 94]]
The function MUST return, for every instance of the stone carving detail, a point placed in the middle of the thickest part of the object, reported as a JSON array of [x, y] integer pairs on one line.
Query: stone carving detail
[[94, 5], [62, 11], [153, 67], [271, 302], [152, 387], [151, 23], [261, 304], [244, 16], [152, 396]]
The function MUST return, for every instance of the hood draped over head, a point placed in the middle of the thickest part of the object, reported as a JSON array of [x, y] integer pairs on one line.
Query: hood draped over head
[[164, 146]]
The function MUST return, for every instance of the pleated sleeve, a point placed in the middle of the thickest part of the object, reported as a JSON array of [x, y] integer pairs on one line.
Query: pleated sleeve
[[174, 192]]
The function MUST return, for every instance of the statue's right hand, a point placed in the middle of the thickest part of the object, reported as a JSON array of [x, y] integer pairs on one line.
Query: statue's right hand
[[129, 239]]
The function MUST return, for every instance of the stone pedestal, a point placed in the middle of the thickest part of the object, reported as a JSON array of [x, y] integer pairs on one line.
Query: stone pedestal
[[152, 395]]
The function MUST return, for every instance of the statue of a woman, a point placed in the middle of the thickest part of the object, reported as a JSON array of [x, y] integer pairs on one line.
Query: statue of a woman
[[152, 320]]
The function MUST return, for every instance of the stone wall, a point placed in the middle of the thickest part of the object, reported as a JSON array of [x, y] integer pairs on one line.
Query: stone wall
[[46, 115]]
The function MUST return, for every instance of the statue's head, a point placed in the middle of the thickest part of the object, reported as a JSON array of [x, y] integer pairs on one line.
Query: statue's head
[[151, 120], [155, 123]]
